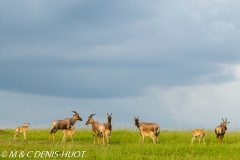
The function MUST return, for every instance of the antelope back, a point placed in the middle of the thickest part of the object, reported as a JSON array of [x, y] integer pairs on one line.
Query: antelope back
[[146, 132], [198, 133], [149, 126]]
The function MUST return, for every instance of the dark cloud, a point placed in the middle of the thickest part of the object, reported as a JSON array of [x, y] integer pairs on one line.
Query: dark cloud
[[114, 49]]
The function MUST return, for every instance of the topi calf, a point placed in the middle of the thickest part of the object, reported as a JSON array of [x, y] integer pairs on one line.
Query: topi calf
[[21, 129]]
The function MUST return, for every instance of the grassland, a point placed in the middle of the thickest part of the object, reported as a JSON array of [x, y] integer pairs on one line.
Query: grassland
[[124, 145]]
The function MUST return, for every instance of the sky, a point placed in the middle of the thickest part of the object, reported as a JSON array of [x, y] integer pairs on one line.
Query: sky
[[175, 62]]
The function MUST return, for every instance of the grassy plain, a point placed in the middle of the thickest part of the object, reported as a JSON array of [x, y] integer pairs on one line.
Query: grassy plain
[[174, 144]]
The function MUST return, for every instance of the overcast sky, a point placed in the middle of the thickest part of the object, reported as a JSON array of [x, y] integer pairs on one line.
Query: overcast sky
[[174, 62]]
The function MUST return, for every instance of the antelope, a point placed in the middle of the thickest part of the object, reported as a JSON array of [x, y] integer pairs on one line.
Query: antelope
[[21, 129], [64, 124], [107, 134], [97, 128], [146, 133], [198, 133], [108, 126], [147, 129], [220, 130], [68, 132]]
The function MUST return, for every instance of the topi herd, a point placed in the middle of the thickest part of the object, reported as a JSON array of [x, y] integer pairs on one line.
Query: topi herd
[[102, 131]]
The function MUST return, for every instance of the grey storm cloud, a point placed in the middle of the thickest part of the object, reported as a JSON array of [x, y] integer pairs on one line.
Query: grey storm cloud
[[86, 49]]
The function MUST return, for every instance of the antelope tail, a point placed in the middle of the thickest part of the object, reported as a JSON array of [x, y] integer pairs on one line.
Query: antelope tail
[[55, 128], [156, 131]]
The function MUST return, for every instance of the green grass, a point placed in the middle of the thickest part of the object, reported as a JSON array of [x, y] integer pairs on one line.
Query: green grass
[[124, 145]]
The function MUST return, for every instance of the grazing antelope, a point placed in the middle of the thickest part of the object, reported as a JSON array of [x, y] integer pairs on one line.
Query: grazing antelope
[[97, 128], [147, 129], [68, 132], [64, 124], [198, 133], [220, 130], [21, 129], [108, 126]]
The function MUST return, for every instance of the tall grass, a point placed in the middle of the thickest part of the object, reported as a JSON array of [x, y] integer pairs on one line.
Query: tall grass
[[124, 145]]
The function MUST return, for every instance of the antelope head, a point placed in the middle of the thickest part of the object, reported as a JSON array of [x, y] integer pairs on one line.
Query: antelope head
[[76, 115], [90, 119], [136, 121], [224, 123]]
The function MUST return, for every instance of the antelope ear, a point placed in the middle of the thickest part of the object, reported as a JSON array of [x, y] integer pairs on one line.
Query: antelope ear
[[106, 116], [112, 116]]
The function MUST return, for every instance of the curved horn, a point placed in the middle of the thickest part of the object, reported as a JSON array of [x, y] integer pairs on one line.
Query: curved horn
[[223, 119], [91, 115], [107, 114], [75, 112]]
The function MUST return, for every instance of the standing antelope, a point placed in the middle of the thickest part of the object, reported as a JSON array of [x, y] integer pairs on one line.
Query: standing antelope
[[21, 129], [107, 134], [220, 130], [108, 126], [97, 128], [146, 133], [198, 133], [64, 124], [147, 129], [68, 132]]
